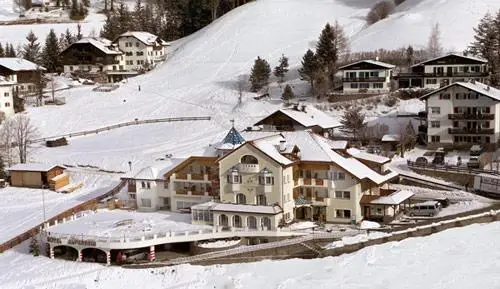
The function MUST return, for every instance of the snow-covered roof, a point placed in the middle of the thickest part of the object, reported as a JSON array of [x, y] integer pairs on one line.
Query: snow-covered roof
[[476, 86], [391, 137], [19, 64], [33, 167], [452, 54], [367, 156], [395, 198], [100, 43], [315, 148], [374, 62], [308, 117], [145, 37], [268, 210], [158, 169]]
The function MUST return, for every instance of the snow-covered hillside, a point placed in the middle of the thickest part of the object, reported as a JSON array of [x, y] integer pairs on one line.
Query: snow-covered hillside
[[457, 258], [413, 20]]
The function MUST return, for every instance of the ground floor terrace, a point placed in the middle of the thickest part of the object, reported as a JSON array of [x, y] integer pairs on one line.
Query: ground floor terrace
[[118, 237]]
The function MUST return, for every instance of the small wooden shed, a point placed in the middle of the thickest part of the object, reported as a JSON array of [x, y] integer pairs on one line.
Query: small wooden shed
[[34, 175]]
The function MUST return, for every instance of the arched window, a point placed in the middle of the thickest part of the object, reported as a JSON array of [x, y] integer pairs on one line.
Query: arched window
[[223, 221], [237, 221], [261, 200], [241, 199], [266, 223], [248, 159], [252, 222]]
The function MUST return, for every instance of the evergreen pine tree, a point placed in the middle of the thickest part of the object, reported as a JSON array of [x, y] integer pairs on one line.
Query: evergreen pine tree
[[331, 45], [50, 52], [2, 52], [31, 50], [78, 32], [111, 27], [12, 51], [34, 246], [260, 73], [287, 94], [409, 55], [282, 68], [58, 3], [309, 67], [353, 121], [486, 44]]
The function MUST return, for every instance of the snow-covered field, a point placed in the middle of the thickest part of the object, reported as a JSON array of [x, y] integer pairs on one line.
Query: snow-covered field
[[119, 223], [456, 258], [412, 22], [22, 208]]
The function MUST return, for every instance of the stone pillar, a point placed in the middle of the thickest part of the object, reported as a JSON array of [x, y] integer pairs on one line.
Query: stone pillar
[[51, 252], [80, 256], [108, 258], [152, 255], [259, 224]]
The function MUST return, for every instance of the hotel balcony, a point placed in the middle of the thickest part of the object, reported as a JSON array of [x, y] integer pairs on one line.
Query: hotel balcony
[[479, 131], [248, 168], [311, 182], [184, 192], [363, 79], [466, 116]]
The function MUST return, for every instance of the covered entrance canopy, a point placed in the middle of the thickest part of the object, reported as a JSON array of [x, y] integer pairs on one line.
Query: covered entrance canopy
[[386, 206]]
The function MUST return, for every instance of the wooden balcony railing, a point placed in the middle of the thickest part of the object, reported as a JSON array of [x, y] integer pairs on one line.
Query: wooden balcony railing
[[307, 182], [466, 130], [319, 182], [465, 116], [197, 176]]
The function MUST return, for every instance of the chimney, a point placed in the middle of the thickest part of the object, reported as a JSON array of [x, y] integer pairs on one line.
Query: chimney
[[303, 108], [249, 128], [488, 88], [296, 106], [282, 145]]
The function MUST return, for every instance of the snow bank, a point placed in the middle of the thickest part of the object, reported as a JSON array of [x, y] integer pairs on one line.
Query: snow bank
[[356, 239], [369, 225], [470, 263]]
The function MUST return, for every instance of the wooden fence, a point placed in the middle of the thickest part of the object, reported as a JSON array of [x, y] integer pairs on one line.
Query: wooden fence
[[79, 208], [125, 124], [449, 168]]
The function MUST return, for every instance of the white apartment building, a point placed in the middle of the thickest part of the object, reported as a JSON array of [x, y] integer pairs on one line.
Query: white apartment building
[[462, 114], [142, 50], [367, 76], [6, 98], [441, 71]]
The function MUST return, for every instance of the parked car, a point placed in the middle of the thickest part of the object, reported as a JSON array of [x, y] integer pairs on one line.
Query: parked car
[[429, 208], [473, 163], [476, 150], [421, 161]]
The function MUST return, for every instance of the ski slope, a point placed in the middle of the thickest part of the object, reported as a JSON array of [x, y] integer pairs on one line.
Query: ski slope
[[457, 258], [412, 22]]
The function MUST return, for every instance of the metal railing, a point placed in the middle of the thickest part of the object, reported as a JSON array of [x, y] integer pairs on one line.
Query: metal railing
[[466, 130], [450, 168], [465, 116]]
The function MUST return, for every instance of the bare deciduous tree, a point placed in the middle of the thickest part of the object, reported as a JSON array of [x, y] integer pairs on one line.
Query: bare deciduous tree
[[7, 140], [408, 138], [434, 48], [24, 133], [214, 6], [240, 88]]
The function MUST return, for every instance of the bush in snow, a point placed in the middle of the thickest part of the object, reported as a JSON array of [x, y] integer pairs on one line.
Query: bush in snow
[[380, 11], [287, 94], [260, 73], [390, 101], [34, 247]]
